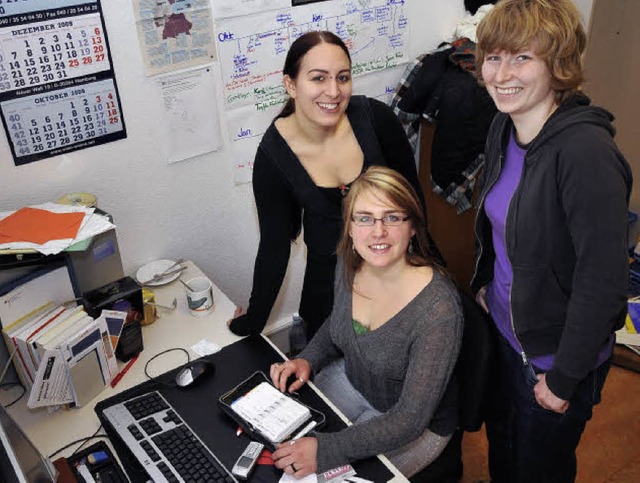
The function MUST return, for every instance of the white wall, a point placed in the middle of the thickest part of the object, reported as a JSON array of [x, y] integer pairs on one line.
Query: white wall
[[190, 209], [585, 7]]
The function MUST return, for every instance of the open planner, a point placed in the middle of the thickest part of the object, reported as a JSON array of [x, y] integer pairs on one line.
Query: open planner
[[272, 413], [266, 413]]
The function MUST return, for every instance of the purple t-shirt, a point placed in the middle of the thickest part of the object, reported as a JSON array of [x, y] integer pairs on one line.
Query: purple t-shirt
[[496, 206]]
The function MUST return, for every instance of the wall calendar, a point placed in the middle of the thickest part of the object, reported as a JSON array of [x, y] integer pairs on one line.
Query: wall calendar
[[58, 90]]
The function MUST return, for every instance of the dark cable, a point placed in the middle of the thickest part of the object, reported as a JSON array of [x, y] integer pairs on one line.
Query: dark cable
[[13, 384], [81, 440], [156, 379], [85, 442]]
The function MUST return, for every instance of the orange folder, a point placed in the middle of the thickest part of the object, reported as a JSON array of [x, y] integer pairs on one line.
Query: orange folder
[[39, 226]]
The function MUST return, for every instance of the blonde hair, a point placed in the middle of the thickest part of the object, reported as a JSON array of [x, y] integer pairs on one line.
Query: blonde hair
[[387, 183], [552, 28]]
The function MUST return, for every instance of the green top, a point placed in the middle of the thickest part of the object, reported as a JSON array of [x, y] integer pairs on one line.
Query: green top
[[358, 328]]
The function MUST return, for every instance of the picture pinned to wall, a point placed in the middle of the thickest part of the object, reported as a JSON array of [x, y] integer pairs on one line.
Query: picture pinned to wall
[[174, 34], [58, 90]]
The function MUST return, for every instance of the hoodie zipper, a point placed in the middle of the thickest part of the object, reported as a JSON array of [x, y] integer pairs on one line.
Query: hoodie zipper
[[523, 355], [516, 192], [480, 208]]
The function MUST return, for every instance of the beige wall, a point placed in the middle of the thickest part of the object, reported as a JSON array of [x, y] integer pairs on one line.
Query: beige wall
[[613, 74]]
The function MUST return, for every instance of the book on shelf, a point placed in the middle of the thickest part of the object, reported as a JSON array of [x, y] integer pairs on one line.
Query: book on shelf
[[62, 355], [9, 332], [76, 362], [28, 331]]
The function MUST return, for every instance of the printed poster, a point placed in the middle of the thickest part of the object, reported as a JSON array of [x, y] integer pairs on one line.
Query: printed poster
[[174, 34]]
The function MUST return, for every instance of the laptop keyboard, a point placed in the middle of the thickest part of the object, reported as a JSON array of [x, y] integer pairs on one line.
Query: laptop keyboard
[[163, 443]]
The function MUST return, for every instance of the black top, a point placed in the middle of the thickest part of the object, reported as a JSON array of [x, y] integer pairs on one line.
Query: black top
[[287, 198]]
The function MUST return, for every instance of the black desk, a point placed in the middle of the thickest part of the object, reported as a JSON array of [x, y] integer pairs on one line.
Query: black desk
[[199, 408]]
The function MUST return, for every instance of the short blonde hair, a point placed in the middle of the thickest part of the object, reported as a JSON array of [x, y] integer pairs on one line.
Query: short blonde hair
[[553, 28], [390, 184]]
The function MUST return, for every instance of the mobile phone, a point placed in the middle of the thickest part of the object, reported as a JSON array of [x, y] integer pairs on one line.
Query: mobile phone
[[247, 460]]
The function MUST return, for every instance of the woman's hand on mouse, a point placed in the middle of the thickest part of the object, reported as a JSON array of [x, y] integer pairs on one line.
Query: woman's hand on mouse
[[238, 312], [281, 371], [298, 458]]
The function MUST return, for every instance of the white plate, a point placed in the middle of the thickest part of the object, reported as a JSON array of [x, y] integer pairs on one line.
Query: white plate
[[151, 269]]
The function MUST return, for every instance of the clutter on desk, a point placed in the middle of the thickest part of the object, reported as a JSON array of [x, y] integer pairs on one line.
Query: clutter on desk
[[160, 272], [124, 295], [95, 463], [61, 354], [150, 313], [79, 199], [50, 228], [629, 334], [199, 296]]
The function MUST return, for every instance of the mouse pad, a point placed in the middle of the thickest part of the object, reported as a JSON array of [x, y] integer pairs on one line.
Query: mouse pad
[[197, 405]]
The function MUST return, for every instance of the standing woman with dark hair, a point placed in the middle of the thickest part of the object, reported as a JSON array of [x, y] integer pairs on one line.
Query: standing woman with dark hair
[[552, 235], [320, 142]]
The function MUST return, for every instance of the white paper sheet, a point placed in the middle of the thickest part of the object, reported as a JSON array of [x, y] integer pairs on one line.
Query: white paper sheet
[[191, 120], [252, 49], [93, 224], [381, 85], [51, 385], [246, 127], [236, 8]]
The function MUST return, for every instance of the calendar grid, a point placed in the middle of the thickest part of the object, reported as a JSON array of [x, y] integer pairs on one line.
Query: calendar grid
[[57, 87]]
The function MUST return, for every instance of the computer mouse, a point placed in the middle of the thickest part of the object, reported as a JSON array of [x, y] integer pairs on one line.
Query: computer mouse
[[194, 372]]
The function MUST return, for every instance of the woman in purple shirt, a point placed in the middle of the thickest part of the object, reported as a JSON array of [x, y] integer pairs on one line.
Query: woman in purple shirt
[[552, 236]]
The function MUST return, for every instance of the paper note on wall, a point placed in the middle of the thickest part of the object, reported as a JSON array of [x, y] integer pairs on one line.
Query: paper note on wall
[[238, 8], [191, 119], [381, 85], [252, 49], [246, 127]]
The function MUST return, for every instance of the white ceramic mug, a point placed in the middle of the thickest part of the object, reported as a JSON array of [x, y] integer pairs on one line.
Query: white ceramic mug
[[199, 296]]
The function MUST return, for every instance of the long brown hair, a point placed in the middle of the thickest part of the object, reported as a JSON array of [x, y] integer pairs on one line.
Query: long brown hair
[[398, 191]]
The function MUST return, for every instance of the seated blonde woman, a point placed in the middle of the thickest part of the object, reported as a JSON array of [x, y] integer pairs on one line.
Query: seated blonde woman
[[386, 354]]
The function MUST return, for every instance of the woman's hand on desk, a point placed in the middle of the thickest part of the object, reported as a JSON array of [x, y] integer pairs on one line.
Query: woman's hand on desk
[[238, 312], [281, 371], [297, 458]]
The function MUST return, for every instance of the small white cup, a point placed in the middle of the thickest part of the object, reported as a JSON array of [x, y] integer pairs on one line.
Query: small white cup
[[199, 296]]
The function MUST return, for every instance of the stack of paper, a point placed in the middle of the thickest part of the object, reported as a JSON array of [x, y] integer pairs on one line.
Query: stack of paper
[[50, 228]]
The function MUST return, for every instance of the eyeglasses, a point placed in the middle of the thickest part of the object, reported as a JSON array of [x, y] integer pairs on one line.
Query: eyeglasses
[[388, 220]]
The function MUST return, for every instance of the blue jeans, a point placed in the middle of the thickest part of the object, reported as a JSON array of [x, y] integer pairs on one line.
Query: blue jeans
[[528, 443]]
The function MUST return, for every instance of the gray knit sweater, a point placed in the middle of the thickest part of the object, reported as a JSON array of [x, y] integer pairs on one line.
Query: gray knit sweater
[[403, 369]]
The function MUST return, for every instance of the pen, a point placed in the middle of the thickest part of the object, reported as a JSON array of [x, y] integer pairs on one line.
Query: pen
[[304, 431], [120, 374]]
